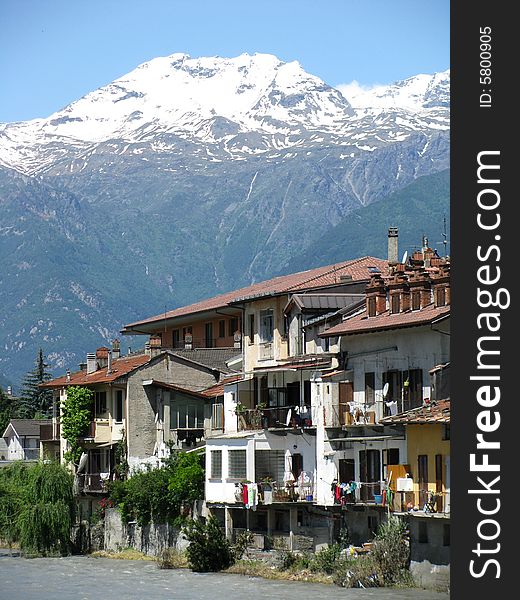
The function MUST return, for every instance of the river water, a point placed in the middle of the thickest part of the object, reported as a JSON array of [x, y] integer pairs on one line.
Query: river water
[[86, 578]]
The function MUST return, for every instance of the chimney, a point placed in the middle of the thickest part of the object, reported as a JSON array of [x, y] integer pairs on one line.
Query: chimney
[[393, 250], [102, 356], [9, 390], [82, 366], [116, 349], [68, 376], [91, 363], [155, 343], [109, 362]]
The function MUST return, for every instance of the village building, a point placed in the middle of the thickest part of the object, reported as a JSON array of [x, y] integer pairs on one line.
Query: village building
[[22, 438], [149, 402]]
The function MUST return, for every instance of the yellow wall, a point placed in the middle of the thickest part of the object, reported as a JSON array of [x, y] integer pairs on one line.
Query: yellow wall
[[427, 439]]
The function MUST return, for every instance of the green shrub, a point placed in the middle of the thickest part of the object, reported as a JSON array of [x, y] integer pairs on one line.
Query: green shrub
[[391, 551], [160, 494], [324, 560], [386, 565], [208, 550], [362, 571]]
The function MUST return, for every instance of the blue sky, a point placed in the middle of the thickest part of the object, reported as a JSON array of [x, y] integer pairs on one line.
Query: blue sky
[[54, 51]]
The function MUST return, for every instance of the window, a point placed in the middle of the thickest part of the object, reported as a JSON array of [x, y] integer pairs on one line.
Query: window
[[237, 464], [296, 465], [370, 387], [446, 535], [396, 303], [233, 326], [209, 335], [100, 403], [416, 300], [423, 532], [175, 338], [270, 463], [118, 406], [412, 386], [446, 434], [216, 464], [252, 329], [440, 296], [372, 306], [221, 329], [186, 412], [266, 326]]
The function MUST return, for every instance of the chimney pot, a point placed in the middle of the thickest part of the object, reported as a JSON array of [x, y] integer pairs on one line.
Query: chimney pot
[[91, 363]]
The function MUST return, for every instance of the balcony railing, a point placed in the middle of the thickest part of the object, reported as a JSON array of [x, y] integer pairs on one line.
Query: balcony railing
[[96, 482], [201, 343], [217, 416], [50, 432], [266, 351], [339, 415], [275, 417]]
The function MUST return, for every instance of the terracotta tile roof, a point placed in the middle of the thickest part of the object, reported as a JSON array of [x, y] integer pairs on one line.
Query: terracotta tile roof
[[120, 367], [312, 279], [360, 323], [218, 389], [435, 412]]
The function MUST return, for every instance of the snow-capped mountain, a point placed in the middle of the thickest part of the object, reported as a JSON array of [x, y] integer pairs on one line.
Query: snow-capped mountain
[[234, 107], [192, 176], [417, 94]]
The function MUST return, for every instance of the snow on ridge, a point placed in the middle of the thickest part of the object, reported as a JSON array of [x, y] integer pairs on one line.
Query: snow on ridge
[[410, 94]]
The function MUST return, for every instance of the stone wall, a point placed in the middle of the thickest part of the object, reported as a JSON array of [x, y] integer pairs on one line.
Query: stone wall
[[151, 539]]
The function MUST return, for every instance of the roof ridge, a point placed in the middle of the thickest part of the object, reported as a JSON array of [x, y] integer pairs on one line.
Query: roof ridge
[[331, 269]]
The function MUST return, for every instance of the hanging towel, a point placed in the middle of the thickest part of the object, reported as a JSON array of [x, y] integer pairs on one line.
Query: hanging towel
[[245, 495], [288, 420]]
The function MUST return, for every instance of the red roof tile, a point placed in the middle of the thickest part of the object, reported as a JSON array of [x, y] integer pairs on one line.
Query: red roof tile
[[120, 367], [218, 389], [360, 323], [312, 279], [436, 412]]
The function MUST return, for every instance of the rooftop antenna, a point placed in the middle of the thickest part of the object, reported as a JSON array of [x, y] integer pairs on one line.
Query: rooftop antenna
[[445, 237]]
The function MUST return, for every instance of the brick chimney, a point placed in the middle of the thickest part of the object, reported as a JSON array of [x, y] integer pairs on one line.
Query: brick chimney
[[393, 250], [102, 357], [155, 342], [376, 296]]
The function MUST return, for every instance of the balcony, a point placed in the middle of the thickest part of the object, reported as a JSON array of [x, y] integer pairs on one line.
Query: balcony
[[96, 482], [266, 351], [50, 432], [340, 415], [195, 343], [275, 417], [99, 431]]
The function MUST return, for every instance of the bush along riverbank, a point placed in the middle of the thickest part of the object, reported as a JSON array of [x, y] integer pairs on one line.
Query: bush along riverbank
[[386, 564]]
